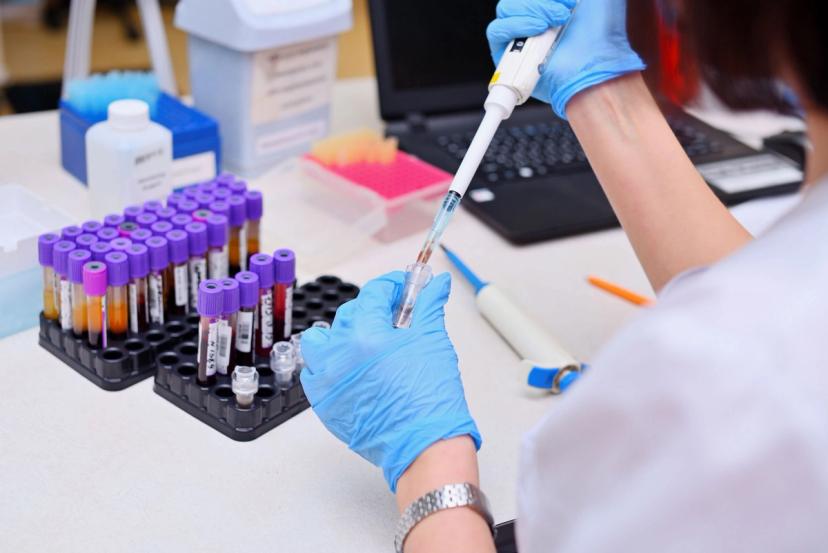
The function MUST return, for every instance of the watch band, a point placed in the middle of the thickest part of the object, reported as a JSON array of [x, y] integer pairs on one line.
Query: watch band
[[449, 496]]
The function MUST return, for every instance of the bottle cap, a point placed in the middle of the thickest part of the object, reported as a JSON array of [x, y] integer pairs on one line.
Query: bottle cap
[[238, 187], [45, 247], [217, 231], [146, 219], [219, 207], [262, 265], [201, 215], [85, 241], [159, 253], [138, 260], [191, 192], [248, 288], [95, 278], [178, 242], [174, 198], [204, 199], [127, 228], [132, 211], [60, 256], [187, 206], [91, 227], [128, 115], [254, 204], [231, 296], [160, 228], [165, 213], [71, 232], [153, 205], [77, 258], [107, 233], [117, 265], [221, 193], [225, 179], [198, 238], [238, 210], [121, 243], [141, 235], [181, 220], [284, 262], [210, 298], [113, 220], [99, 250]]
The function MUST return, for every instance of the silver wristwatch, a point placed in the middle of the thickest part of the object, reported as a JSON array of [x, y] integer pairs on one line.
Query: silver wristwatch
[[449, 496]]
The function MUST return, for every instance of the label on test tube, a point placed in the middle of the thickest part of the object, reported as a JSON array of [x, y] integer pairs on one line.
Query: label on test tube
[[225, 333], [244, 331], [286, 331], [181, 288], [56, 288], [198, 272], [104, 341], [218, 263], [133, 307], [156, 293], [212, 347], [243, 247], [267, 319], [65, 305]]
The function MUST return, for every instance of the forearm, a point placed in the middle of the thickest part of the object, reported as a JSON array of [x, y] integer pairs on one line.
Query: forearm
[[456, 530], [672, 218]]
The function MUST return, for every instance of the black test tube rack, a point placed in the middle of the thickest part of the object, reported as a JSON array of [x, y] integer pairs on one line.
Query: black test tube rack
[[215, 405]]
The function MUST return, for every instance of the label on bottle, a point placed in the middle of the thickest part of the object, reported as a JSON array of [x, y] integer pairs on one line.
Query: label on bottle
[[150, 173], [133, 307], [156, 299], [244, 331], [181, 285], [219, 265], [267, 318], [198, 273], [243, 247], [225, 337], [65, 306], [212, 348], [287, 330]]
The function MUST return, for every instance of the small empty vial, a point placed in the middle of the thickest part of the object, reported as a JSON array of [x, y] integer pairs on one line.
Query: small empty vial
[[283, 364], [117, 294], [210, 304], [107, 234], [246, 320], [91, 227], [254, 217], [262, 265], [203, 199], [201, 215], [60, 259], [140, 236], [180, 220], [157, 283], [238, 233], [417, 276], [113, 220], [94, 285], [77, 259], [51, 282], [217, 260], [145, 220], [245, 384], [284, 274], [197, 233], [160, 228], [152, 206], [126, 228], [132, 211], [187, 206], [120, 244], [71, 232], [165, 213], [178, 242], [85, 241], [227, 333], [99, 250], [138, 296]]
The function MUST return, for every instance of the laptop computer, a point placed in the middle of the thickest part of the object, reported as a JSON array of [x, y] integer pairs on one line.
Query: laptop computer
[[433, 66]]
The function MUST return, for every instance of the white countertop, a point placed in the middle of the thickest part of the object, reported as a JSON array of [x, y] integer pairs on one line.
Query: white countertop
[[84, 470]]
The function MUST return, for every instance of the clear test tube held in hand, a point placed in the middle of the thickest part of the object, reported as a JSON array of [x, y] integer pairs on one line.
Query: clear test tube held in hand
[[157, 283], [210, 306], [77, 259], [284, 275], [178, 242], [51, 282], [197, 233], [217, 235], [60, 257], [262, 265], [245, 321], [253, 226], [227, 333], [138, 294], [117, 295], [417, 276], [95, 281], [238, 238]]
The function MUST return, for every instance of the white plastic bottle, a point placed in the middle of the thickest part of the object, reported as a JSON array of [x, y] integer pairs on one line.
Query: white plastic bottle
[[128, 158]]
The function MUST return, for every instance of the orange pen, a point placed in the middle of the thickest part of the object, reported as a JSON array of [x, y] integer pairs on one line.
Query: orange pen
[[622, 293]]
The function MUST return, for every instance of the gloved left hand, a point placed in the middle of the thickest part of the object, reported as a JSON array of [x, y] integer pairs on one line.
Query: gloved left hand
[[388, 393]]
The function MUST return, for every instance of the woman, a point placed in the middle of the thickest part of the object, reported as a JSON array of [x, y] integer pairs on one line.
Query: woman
[[702, 425]]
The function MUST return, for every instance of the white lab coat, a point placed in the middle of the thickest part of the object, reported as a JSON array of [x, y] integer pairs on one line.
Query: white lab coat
[[703, 425]]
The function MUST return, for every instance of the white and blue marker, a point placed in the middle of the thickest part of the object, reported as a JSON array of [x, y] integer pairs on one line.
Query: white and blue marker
[[549, 366]]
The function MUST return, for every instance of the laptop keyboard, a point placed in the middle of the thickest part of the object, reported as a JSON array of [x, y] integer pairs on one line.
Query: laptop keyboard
[[538, 149]]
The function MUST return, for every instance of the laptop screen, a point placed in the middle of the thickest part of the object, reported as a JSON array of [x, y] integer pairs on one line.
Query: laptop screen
[[431, 55]]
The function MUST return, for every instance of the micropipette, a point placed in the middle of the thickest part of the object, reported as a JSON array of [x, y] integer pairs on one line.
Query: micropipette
[[512, 84]]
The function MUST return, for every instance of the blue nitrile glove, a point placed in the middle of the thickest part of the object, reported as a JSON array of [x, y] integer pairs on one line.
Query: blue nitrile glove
[[594, 50], [387, 392]]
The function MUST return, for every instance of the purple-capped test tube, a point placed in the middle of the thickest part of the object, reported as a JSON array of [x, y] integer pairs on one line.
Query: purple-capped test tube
[[204, 199], [107, 234], [227, 334], [146, 219], [225, 179], [141, 235], [198, 259], [207, 186], [120, 244], [132, 211], [60, 261], [165, 213], [71, 232], [85, 241], [181, 220], [238, 187], [238, 235], [94, 286], [201, 215], [210, 305], [99, 250], [158, 285], [284, 275], [113, 220], [254, 216], [217, 234], [138, 297], [91, 227], [187, 206], [245, 321], [174, 198], [117, 296], [160, 228], [191, 191], [77, 259], [126, 228], [152, 206], [262, 265], [219, 207], [179, 299], [51, 283], [221, 194]]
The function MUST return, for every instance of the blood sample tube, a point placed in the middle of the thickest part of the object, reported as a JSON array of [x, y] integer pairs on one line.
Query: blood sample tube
[[91, 227], [157, 281], [187, 206], [174, 198], [210, 303], [60, 259], [262, 265], [227, 334], [217, 265], [138, 297], [70, 232], [254, 217], [161, 228], [84, 241], [284, 273], [94, 286], [120, 244], [221, 194], [99, 250], [165, 213], [203, 199], [197, 233], [126, 228], [178, 242], [113, 220], [181, 220], [117, 295], [141, 235], [201, 215], [145, 220], [153, 206], [190, 192], [245, 322], [224, 179], [238, 238], [132, 211], [283, 364], [51, 283], [238, 187], [77, 259], [245, 384], [219, 207], [107, 234]]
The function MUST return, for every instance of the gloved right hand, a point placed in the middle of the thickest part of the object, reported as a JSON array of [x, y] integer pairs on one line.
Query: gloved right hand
[[595, 48]]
